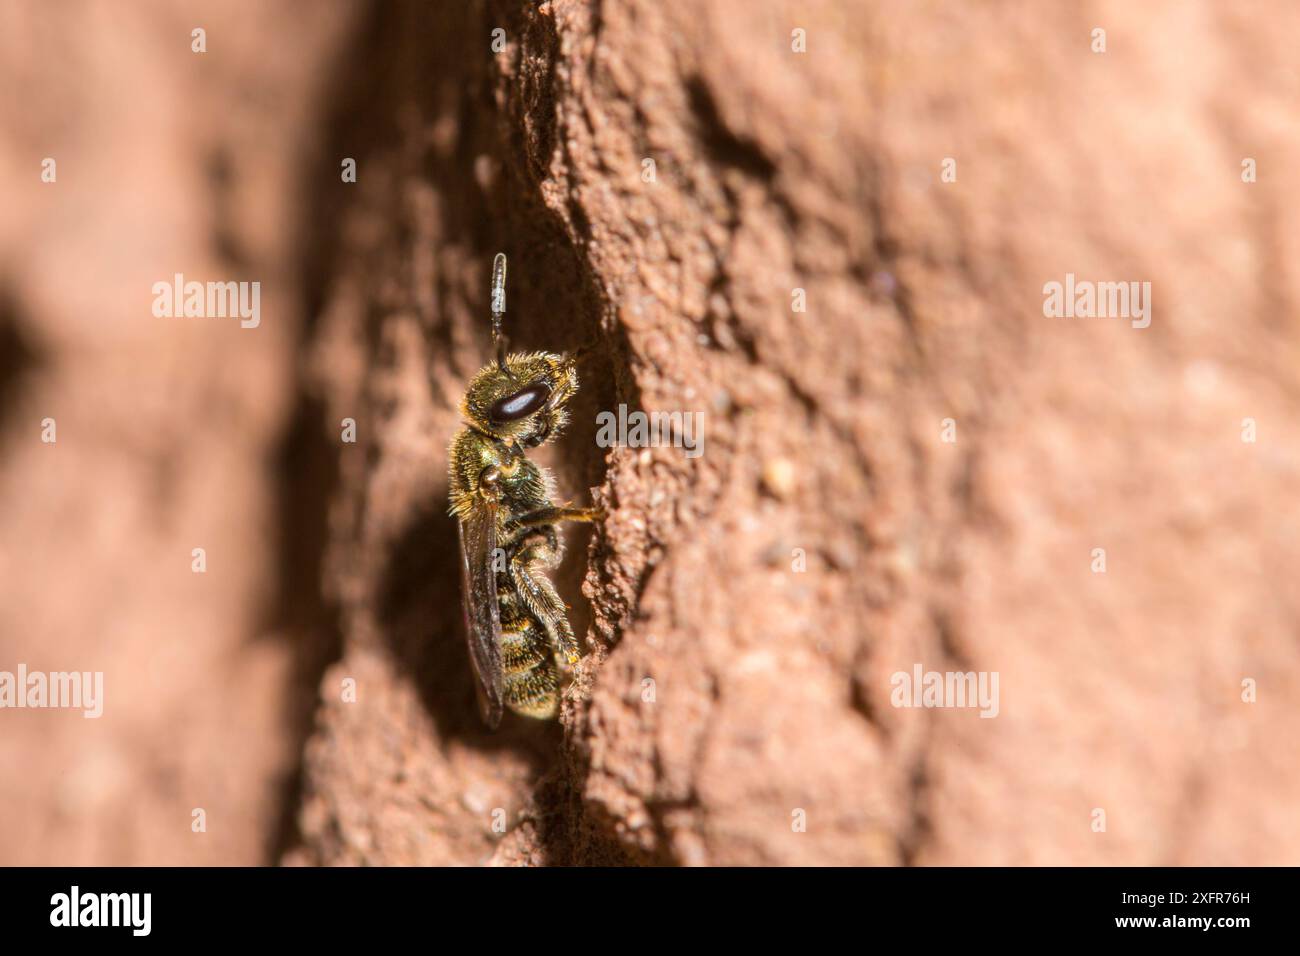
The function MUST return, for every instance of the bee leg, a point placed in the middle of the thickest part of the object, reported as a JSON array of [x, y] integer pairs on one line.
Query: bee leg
[[552, 515], [527, 569]]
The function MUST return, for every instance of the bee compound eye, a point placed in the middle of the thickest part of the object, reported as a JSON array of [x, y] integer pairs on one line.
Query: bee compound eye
[[519, 405]]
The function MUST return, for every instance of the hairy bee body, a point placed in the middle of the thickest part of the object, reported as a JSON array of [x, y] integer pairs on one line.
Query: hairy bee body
[[515, 622], [533, 626]]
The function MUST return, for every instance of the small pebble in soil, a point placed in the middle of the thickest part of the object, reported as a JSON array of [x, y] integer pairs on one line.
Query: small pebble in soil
[[779, 477]]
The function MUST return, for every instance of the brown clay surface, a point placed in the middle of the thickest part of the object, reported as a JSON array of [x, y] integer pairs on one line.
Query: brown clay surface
[[773, 171]]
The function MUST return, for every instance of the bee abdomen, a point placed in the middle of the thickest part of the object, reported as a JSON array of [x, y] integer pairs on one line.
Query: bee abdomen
[[523, 647], [531, 683]]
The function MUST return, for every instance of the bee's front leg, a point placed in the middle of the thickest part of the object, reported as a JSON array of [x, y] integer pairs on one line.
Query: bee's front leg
[[553, 515]]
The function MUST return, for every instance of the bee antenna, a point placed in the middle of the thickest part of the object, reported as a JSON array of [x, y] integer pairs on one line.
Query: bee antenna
[[499, 308]]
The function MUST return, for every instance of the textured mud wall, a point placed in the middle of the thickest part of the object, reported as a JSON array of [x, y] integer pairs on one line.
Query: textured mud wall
[[775, 171], [795, 265], [170, 434]]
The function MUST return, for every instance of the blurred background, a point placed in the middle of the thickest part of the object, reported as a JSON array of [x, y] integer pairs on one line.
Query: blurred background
[[828, 226]]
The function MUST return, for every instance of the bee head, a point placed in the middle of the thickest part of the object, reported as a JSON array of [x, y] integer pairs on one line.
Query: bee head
[[522, 399]]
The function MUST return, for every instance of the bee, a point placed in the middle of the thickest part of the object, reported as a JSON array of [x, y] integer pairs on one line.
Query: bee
[[519, 635]]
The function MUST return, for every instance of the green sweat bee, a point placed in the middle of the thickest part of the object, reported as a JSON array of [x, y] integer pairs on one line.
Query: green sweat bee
[[515, 622]]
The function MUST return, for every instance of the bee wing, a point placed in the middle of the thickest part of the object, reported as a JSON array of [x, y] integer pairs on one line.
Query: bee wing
[[478, 541]]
